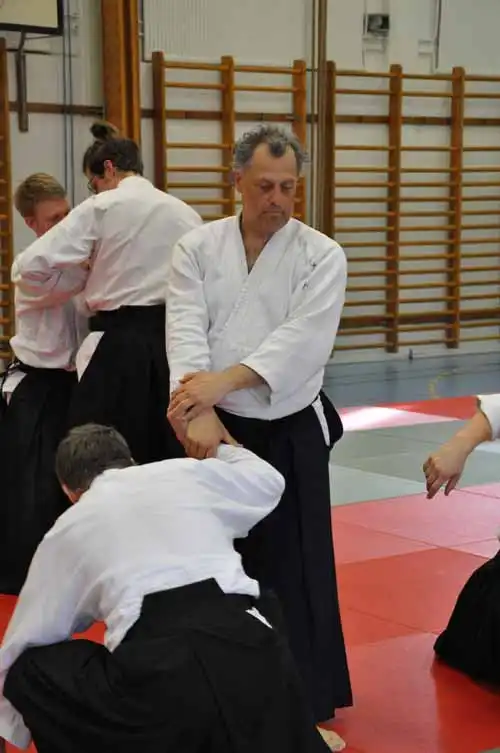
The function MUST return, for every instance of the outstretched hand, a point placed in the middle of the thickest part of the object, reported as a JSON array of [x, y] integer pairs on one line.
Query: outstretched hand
[[445, 467]]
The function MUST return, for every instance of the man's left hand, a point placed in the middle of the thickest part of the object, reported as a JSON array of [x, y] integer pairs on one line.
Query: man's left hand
[[197, 393]]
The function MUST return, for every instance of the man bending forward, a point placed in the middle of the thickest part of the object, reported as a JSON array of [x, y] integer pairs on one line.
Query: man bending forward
[[191, 663]]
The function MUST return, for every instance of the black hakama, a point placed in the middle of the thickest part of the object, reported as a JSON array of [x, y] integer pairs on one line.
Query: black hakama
[[291, 551], [195, 674], [471, 641], [126, 383], [32, 425]]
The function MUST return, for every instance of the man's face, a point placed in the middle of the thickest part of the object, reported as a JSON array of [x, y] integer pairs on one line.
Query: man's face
[[47, 214], [268, 186]]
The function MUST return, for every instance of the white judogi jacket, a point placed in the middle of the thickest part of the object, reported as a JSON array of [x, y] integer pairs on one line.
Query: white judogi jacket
[[137, 531], [46, 338], [280, 319], [127, 234]]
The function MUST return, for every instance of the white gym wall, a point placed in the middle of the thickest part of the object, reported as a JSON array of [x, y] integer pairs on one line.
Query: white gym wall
[[424, 37]]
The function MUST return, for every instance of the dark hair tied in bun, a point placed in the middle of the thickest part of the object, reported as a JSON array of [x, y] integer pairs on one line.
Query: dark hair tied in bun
[[103, 131], [110, 146]]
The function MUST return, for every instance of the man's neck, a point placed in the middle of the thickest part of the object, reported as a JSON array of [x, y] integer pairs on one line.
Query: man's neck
[[253, 241], [126, 174]]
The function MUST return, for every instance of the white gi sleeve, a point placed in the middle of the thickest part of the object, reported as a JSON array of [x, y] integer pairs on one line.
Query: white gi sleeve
[[187, 320], [252, 485], [490, 406], [303, 343], [50, 609], [54, 268]]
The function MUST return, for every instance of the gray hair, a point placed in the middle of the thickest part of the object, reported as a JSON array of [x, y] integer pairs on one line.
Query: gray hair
[[278, 141], [86, 452]]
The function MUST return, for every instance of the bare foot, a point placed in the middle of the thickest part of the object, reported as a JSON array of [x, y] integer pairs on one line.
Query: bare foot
[[334, 742]]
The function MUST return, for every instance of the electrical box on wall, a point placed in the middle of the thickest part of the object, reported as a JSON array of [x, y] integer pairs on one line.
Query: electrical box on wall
[[376, 25]]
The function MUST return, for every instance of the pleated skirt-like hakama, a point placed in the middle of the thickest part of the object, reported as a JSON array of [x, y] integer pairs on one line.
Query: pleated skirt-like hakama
[[196, 674], [32, 425], [126, 383], [291, 551], [471, 641]]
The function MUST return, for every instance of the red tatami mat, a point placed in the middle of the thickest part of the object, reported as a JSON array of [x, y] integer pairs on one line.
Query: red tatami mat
[[363, 418], [355, 543], [444, 521], [450, 407], [400, 565], [486, 490], [405, 704], [417, 590]]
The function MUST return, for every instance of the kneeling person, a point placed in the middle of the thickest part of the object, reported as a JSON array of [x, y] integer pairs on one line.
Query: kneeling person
[[470, 642], [191, 662]]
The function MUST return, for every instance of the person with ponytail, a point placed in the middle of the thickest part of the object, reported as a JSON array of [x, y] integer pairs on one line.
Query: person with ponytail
[[122, 236], [110, 158]]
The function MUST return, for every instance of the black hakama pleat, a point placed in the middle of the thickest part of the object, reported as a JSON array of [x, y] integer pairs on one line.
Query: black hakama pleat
[[471, 641], [291, 551], [126, 383], [33, 424], [195, 674]]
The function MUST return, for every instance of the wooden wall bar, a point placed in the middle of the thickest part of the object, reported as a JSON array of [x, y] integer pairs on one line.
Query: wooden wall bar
[[204, 179], [434, 278], [410, 163], [411, 171], [121, 66]]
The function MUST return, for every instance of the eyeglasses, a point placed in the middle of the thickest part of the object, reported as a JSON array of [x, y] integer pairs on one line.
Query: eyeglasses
[[92, 185]]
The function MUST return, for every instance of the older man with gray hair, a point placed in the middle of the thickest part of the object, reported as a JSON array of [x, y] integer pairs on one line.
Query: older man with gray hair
[[253, 306]]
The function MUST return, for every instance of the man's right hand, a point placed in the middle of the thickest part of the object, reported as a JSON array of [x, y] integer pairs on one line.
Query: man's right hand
[[204, 434], [445, 467]]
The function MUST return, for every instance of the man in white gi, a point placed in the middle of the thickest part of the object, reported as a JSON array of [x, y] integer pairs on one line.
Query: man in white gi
[[35, 394], [191, 663], [123, 235], [253, 306]]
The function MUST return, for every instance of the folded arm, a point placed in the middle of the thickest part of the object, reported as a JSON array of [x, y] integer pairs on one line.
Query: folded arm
[[290, 355], [188, 352], [187, 316], [55, 267], [253, 486]]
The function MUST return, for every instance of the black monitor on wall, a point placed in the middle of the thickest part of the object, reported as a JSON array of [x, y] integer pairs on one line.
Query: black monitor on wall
[[32, 16]]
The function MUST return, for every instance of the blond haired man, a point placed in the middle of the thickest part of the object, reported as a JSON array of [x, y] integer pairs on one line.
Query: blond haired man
[[34, 395]]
